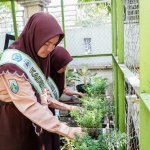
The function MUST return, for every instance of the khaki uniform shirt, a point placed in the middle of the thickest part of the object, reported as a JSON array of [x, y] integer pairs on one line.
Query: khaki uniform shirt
[[25, 101]]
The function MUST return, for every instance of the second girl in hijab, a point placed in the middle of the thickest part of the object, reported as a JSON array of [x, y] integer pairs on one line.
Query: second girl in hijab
[[59, 59]]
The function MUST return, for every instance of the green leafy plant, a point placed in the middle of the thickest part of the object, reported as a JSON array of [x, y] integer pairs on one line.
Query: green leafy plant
[[87, 118], [112, 140], [106, 107], [6, 6], [96, 87], [108, 141], [71, 76], [84, 74], [100, 6], [86, 143]]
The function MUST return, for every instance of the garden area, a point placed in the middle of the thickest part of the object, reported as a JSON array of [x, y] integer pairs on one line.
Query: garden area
[[109, 43], [95, 116]]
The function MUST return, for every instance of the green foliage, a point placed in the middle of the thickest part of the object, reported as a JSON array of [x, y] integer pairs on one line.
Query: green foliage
[[84, 74], [112, 140], [71, 76], [91, 103], [6, 6], [86, 143], [101, 6], [96, 87], [87, 118], [107, 141]]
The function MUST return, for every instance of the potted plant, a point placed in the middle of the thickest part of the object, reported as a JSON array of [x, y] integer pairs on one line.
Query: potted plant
[[86, 143], [84, 76], [90, 115], [97, 86], [88, 119], [97, 102], [112, 140], [71, 76]]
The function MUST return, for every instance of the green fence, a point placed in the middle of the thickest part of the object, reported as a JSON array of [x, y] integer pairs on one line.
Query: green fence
[[129, 55], [131, 48], [10, 4]]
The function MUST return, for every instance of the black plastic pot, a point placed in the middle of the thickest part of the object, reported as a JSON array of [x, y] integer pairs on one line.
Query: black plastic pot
[[79, 88]]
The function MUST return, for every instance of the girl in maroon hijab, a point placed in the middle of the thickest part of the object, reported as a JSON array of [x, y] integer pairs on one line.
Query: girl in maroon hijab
[[59, 59], [20, 102]]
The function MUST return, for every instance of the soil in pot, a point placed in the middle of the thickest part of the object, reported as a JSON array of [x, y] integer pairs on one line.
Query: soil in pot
[[94, 132]]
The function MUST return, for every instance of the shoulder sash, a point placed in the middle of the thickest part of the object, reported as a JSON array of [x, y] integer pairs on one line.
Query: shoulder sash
[[28, 65]]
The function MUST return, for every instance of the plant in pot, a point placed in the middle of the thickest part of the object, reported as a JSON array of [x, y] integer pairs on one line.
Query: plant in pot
[[70, 78], [97, 86], [106, 107], [97, 102], [84, 76], [95, 94], [89, 120], [90, 115], [112, 140], [85, 143], [109, 141]]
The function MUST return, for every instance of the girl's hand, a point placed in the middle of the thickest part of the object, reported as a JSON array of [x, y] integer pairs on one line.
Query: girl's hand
[[78, 130], [81, 94]]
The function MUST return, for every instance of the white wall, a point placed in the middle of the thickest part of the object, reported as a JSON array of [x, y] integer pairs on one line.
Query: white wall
[[101, 43]]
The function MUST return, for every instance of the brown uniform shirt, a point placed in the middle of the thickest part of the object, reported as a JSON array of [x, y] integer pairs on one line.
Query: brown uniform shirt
[[27, 104]]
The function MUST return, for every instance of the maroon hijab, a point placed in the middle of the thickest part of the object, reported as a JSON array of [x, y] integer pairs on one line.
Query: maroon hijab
[[58, 59], [38, 30]]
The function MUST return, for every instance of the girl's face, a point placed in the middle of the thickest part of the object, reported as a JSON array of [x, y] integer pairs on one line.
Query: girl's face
[[48, 47], [62, 69]]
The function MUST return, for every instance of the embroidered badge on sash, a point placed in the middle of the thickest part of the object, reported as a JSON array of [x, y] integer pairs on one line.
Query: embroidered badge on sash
[[17, 57], [13, 86], [27, 63]]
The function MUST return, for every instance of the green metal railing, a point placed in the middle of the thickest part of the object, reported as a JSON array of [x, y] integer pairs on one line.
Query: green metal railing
[[144, 74], [121, 73], [13, 16]]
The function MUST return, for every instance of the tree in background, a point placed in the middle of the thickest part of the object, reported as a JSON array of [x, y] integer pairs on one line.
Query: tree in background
[[93, 14], [102, 5], [6, 6]]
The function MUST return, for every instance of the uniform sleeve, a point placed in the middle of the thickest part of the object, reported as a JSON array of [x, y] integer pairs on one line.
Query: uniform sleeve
[[69, 92], [23, 97], [58, 105]]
